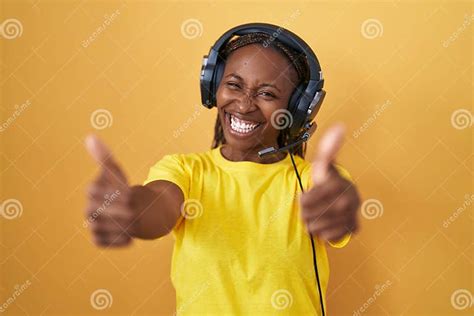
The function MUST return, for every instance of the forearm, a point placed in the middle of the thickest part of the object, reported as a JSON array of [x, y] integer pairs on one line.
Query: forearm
[[156, 210]]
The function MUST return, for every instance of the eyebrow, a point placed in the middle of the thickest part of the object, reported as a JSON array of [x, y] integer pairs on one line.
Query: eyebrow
[[261, 85]]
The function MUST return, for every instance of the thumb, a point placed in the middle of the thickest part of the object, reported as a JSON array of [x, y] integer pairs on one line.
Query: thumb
[[98, 150], [328, 148], [103, 156]]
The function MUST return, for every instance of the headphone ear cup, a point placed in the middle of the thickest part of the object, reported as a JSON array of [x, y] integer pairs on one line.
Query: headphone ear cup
[[293, 104], [219, 71], [295, 98]]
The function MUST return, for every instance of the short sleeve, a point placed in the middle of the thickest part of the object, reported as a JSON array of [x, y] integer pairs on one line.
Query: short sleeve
[[343, 172], [345, 239], [170, 168]]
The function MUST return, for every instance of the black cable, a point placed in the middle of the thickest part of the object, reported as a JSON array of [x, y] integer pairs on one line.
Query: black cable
[[315, 264]]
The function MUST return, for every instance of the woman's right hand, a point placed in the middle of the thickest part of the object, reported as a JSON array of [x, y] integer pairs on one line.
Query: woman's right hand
[[108, 212]]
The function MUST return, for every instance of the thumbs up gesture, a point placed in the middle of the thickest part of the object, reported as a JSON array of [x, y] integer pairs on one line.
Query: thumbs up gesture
[[329, 208], [108, 212]]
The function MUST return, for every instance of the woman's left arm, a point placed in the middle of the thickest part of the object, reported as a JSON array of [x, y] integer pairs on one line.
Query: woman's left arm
[[329, 208]]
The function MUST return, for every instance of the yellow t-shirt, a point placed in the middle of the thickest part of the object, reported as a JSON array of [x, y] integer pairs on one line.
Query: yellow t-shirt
[[241, 247]]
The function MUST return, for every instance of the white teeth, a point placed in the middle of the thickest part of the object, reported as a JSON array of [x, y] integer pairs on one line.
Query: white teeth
[[241, 126], [241, 123]]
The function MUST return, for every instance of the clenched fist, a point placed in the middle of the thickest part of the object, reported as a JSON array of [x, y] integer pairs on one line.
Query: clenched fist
[[108, 212], [329, 208]]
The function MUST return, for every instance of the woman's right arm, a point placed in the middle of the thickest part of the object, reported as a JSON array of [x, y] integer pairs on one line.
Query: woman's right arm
[[157, 207], [117, 212]]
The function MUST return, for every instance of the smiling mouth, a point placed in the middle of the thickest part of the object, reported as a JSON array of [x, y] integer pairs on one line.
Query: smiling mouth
[[240, 127]]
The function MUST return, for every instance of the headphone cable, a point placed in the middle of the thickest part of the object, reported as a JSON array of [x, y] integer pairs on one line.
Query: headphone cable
[[315, 264]]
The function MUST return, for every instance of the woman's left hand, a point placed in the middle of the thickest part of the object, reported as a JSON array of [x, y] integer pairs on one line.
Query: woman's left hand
[[329, 208]]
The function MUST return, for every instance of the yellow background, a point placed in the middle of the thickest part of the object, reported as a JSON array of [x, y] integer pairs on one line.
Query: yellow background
[[145, 72]]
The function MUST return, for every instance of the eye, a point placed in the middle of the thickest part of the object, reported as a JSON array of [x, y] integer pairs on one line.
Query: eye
[[267, 94], [233, 85]]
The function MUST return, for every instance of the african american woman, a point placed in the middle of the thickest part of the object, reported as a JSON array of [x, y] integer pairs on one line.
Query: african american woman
[[247, 237]]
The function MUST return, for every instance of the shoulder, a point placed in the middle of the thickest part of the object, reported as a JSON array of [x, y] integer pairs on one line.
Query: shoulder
[[178, 167], [187, 160], [303, 165], [304, 169], [343, 172], [307, 172]]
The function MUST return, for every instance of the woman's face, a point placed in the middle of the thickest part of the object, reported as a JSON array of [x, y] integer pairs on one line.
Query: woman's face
[[256, 82]]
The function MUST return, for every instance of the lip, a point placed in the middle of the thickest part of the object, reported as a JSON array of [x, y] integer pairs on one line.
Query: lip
[[235, 133]]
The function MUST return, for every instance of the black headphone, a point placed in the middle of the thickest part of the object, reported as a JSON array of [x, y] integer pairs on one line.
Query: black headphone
[[306, 99]]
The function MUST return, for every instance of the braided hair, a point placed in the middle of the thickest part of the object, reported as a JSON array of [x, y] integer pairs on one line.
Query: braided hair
[[297, 59]]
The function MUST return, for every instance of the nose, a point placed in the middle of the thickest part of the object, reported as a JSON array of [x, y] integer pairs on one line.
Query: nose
[[246, 102]]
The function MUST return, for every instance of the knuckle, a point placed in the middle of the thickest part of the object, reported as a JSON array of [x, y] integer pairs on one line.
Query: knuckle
[[342, 203], [95, 191], [313, 226], [335, 236], [346, 185], [355, 227], [100, 242], [93, 213], [325, 235], [305, 214], [357, 199], [99, 230], [330, 188], [304, 200], [95, 226], [128, 217], [91, 189], [119, 238]]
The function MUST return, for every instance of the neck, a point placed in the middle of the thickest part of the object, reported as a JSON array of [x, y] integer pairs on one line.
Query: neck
[[235, 154]]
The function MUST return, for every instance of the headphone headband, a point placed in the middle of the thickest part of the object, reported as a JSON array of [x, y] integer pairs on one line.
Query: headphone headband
[[276, 32]]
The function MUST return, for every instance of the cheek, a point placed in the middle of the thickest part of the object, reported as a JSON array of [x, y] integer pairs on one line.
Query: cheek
[[271, 126], [275, 117], [222, 95], [273, 110]]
